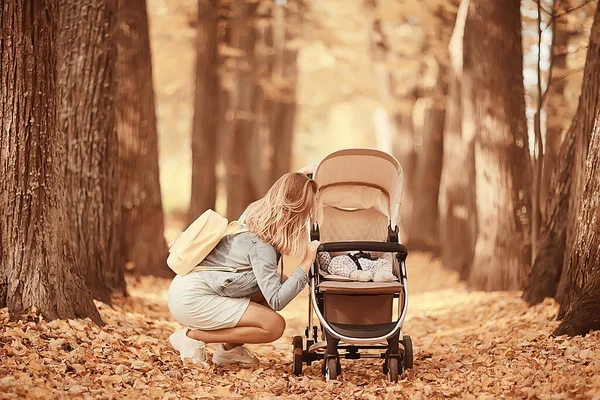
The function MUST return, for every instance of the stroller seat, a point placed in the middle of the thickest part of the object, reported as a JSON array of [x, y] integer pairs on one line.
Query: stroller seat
[[343, 287]]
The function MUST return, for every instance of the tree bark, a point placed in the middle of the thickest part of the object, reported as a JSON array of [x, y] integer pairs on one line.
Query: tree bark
[[240, 191], [556, 108], [456, 202], [545, 273], [548, 277], [143, 238], [206, 112], [581, 304], [38, 269], [502, 162], [423, 233], [86, 92], [588, 113]]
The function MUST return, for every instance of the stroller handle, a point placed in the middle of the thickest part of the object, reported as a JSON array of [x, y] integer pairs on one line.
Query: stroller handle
[[384, 247]]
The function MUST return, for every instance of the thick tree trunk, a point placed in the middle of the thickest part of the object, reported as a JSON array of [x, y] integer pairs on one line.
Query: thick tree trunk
[[38, 269], [240, 191], [456, 202], [142, 214], [588, 114], [581, 304], [502, 164], [206, 112], [423, 233], [86, 91], [548, 277]]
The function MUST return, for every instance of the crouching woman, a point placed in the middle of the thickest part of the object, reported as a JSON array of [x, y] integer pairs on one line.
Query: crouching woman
[[233, 308]]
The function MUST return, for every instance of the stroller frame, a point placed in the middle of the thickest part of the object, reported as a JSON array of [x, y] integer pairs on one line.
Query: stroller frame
[[393, 347]]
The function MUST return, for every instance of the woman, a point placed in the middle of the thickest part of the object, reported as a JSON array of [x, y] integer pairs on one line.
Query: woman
[[232, 308]]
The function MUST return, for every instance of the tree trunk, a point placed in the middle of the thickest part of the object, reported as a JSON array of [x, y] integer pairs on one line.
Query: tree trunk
[[581, 304], [38, 269], [206, 112], [283, 117], [240, 191], [556, 109], [456, 203], [502, 164], [86, 91], [404, 150], [548, 277], [274, 103], [278, 89], [423, 233], [571, 283], [143, 238], [545, 273]]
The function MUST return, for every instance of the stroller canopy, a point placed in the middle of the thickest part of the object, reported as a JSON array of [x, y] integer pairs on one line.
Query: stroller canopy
[[360, 191]]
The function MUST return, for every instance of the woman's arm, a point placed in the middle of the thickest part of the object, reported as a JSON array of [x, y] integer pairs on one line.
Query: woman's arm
[[263, 259]]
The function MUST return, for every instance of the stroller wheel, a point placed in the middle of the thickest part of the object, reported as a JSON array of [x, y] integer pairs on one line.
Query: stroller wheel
[[332, 369], [408, 351], [393, 369], [298, 350]]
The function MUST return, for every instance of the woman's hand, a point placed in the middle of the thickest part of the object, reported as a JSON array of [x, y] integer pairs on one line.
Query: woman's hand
[[311, 254]]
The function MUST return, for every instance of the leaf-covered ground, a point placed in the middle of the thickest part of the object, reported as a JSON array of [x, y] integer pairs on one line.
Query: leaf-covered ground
[[467, 345]]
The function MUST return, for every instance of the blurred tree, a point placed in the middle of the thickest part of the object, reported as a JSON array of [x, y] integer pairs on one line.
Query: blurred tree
[[380, 48], [428, 122], [142, 230], [206, 111], [423, 230], [38, 270], [557, 107], [86, 87], [275, 104], [493, 58], [404, 151], [238, 145], [457, 213]]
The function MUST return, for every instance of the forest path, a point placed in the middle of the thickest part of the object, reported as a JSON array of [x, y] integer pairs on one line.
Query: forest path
[[467, 345]]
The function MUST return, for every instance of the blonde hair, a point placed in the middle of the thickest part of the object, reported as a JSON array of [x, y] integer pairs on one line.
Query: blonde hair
[[279, 218]]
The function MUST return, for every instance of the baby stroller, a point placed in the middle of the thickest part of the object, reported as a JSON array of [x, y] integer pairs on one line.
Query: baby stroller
[[357, 210]]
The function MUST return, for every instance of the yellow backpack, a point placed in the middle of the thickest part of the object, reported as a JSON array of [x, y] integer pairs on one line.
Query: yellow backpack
[[192, 246]]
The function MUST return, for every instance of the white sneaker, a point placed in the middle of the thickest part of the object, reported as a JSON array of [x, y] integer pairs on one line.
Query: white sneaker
[[237, 355], [188, 347]]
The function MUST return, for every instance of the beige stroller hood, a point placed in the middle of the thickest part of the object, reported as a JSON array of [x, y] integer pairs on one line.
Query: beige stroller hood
[[360, 191]]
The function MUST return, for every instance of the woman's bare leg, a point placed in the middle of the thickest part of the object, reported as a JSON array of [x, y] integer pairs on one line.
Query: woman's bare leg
[[259, 324], [259, 299], [258, 321]]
